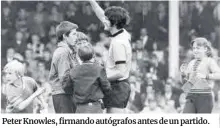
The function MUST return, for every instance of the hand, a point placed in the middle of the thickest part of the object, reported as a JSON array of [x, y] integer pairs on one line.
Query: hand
[[183, 68], [45, 110], [9, 109], [201, 76], [40, 90]]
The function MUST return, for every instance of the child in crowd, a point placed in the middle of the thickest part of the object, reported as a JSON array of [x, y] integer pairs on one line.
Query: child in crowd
[[20, 91]]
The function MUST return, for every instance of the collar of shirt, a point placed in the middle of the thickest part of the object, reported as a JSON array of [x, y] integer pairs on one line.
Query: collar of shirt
[[16, 85], [117, 33], [63, 44]]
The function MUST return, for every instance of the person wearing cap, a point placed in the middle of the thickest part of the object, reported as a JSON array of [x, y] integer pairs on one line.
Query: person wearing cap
[[200, 74], [118, 63], [63, 60]]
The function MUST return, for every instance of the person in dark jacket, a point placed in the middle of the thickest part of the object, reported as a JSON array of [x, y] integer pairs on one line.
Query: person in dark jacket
[[63, 60], [89, 81]]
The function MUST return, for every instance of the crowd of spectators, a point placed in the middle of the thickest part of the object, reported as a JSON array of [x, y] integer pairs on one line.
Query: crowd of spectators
[[28, 34], [200, 18]]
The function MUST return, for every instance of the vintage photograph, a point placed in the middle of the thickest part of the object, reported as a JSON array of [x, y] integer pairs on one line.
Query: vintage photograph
[[110, 57]]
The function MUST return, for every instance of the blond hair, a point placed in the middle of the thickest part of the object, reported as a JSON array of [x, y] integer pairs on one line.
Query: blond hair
[[201, 41], [16, 67]]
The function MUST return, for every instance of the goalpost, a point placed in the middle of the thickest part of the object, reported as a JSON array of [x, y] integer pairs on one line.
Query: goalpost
[[173, 39]]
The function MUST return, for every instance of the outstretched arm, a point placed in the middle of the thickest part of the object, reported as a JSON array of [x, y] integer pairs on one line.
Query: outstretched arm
[[20, 105], [99, 12]]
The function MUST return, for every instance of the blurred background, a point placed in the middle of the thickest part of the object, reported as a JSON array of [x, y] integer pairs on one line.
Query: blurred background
[[28, 34]]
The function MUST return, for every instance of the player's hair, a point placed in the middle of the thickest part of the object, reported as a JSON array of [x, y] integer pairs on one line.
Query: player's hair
[[201, 41], [81, 38], [85, 52], [117, 16], [64, 27], [16, 67]]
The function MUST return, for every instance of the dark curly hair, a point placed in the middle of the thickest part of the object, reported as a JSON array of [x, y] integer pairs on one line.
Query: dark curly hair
[[117, 16]]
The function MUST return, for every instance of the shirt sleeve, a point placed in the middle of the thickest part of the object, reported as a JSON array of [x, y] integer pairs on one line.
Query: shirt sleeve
[[119, 53], [189, 69], [104, 83], [213, 66], [63, 65], [33, 83]]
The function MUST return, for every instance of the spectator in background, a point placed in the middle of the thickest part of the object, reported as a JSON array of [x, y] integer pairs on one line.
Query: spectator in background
[[27, 69], [52, 30], [170, 95], [143, 17], [19, 43], [147, 82], [91, 25], [103, 39], [41, 76], [32, 63], [55, 15], [147, 41], [36, 46], [47, 59], [162, 102], [135, 103], [52, 44], [175, 86], [141, 56], [162, 27], [72, 13], [170, 107], [100, 46], [21, 20], [9, 57], [152, 108], [135, 68], [148, 94], [182, 101], [61, 5], [105, 4], [7, 20], [38, 20], [157, 82], [216, 14], [160, 69], [202, 20]]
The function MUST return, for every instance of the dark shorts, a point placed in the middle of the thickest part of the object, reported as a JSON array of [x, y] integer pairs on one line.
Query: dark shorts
[[198, 103], [64, 103], [119, 96]]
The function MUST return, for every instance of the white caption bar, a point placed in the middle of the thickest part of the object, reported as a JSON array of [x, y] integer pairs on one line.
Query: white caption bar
[[110, 120]]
